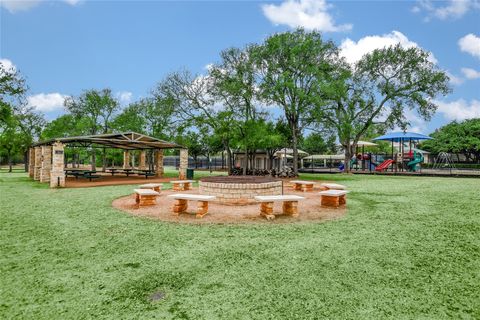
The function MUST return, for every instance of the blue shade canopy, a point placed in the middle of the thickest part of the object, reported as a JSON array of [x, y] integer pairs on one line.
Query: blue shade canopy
[[405, 136]]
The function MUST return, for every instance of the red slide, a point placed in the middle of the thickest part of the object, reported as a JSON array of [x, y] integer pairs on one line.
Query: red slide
[[384, 165]]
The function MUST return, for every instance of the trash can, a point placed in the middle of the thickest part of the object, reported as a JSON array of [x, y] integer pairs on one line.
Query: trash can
[[190, 174]]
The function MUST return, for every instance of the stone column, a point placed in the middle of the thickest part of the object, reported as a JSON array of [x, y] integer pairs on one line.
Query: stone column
[[46, 164], [38, 163], [182, 169], [57, 175], [31, 162], [126, 159], [159, 163], [141, 164]]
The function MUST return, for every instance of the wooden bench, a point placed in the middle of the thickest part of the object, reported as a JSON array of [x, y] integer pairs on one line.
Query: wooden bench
[[154, 186], [290, 205], [145, 197], [333, 198], [182, 185], [181, 203], [301, 185], [332, 186]]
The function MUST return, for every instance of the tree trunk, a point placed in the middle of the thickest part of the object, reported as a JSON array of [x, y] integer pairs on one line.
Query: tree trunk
[[348, 155], [295, 150], [245, 167], [94, 160], [104, 160], [9, 157]]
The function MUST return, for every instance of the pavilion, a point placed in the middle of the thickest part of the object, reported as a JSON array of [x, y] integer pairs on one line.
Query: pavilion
[[47, 160]]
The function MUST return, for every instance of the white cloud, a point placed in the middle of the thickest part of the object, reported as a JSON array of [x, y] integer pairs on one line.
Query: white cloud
[[470, 44], [309, 14], [354, 51], [23, 5], [459, 109], [471, 73], [47, 102], [453, 9], [8, 64], [454, 79], [124, 97]]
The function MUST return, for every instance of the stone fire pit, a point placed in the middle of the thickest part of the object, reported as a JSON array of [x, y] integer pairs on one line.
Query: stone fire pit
[[238, 190]]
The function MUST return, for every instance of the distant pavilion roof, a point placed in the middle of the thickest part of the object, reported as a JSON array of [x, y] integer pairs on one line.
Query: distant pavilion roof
[[125, 140]]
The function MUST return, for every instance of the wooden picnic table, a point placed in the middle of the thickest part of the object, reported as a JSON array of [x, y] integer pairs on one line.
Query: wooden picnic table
[[112, 170]]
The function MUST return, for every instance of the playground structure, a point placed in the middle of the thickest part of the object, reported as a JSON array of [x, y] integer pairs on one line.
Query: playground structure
[[443, 161]]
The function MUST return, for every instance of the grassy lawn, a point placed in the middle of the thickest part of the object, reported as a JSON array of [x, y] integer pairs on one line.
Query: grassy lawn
[[408, 248]]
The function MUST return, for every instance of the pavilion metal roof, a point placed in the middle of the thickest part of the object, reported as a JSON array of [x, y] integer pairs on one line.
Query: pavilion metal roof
[[125, 140]]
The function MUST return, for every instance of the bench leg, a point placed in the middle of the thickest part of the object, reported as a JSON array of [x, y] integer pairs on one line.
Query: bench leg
[[137, 198], [343, 199], [329, 201], [147, 200], [157, 189], [179, 206], [187, 186], [176, 187], [298, 187], [290, 208], [266, 210], [309, 187], [202, 208]]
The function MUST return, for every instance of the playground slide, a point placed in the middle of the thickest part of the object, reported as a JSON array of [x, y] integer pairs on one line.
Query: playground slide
[[384, 165], [412, 165]]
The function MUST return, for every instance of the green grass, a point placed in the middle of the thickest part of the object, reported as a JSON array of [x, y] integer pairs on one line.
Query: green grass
[[407, 249]]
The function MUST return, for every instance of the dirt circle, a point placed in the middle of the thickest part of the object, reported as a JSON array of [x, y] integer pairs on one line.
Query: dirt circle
[[309, 210]]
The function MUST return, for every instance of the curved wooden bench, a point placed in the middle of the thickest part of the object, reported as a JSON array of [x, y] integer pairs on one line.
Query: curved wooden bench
[[290, 205], [154, 186], [301, 185], [333, 198], [181, 203], [182, 185], [332, 186], [145, 197]]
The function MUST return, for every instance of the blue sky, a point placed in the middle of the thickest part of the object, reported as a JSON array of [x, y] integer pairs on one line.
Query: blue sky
[[64, 47]]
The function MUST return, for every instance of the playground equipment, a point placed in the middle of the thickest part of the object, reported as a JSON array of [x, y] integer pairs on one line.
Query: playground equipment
[[417, 159], [443, 161], [401, 138], [384, 165]]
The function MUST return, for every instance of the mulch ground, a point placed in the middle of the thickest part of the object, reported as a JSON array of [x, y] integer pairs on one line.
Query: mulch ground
[[309, 210]]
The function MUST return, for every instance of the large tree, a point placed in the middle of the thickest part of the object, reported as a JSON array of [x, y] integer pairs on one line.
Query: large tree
[[457, 138], [379, 89], [294, 68], [235, 87], [98, 108], [191, 96], [12, 90]]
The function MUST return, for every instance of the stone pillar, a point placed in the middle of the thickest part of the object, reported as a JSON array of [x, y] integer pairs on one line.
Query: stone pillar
[[38, 163], [31, 162], [141, 164], [159, 163], [46, 164], [126, 159], [57, 175], [182, 169]]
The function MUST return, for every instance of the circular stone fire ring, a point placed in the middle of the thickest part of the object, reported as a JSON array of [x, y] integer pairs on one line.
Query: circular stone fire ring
[[239, 190]]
